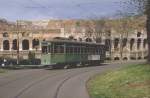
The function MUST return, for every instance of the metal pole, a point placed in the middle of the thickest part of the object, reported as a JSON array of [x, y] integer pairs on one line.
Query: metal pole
[[17, 43]]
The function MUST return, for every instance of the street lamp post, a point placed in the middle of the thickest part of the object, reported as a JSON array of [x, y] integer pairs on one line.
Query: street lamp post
[[17, 43]]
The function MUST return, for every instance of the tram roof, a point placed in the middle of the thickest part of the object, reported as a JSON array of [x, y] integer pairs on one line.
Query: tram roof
[[71, 41]]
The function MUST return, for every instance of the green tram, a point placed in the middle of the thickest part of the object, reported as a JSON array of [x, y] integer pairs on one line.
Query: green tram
[[58, 53]]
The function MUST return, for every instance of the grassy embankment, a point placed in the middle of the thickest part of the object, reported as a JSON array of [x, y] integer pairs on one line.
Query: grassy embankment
[[129, 82]]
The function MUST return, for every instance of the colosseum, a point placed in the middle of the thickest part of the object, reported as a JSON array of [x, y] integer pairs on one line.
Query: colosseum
[[28, 35]]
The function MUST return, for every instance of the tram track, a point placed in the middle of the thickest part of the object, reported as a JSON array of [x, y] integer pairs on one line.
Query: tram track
[[64, 73], [65, 80], [45, 74], [45, 78], [95, 70], [68, 83], [35, 83], [17, 78], [63, 90]]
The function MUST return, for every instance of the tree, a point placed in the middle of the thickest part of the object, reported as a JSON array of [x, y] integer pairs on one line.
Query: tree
[[122, 26], [100, 28], [148, 27]]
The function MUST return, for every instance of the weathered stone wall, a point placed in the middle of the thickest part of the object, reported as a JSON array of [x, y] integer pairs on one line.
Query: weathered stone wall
[[30, 37]]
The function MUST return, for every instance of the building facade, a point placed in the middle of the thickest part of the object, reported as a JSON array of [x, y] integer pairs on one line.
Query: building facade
[[28, 35], [131, 47]]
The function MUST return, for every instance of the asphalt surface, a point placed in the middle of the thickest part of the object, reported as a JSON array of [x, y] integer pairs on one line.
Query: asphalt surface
[[41, 83]]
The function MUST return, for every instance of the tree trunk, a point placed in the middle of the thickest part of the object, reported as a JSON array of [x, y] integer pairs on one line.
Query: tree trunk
[[148, 36], [148, 29]]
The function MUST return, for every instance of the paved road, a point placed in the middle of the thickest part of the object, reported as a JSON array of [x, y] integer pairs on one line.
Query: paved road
[[41, 83]]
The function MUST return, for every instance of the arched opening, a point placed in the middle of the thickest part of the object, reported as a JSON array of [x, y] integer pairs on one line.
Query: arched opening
[[25, 44], [14, 46], [116, 58], [71, 37], [6, 45], [88, 40], [139, 34], [138, 43], [144, 43], [132, 44], [80, 39], [25, 34], [116, 43], [5, 34], [108, 44], [35, 43], [124, 42], [108, 58], [98, 40], [133, 58], [125, 58], [145, 57], [139, 58]]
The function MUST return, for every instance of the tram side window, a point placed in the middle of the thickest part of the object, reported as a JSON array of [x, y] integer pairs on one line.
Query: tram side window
[[97, 51], [55, 49], [44, 49], [82, 50], [69, 49], [102, 48], [88, 50], [61, 49], [92, 50], [75, 50], [58, 49], [78, 50], [49, 49]]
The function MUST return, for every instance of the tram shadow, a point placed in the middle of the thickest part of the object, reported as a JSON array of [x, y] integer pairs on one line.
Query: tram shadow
[[61, 67]]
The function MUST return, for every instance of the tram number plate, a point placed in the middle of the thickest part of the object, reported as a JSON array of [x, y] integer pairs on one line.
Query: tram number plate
[[94, 57]]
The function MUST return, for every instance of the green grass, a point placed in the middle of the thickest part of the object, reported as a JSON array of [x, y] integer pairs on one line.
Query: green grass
[[129, 82]]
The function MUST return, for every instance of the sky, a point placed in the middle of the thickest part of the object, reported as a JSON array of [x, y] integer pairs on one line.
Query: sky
[[57, 9]]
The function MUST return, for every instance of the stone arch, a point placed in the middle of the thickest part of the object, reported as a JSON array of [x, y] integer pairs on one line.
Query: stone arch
[[71, 37], [14, 44], [116, 58], [138, 43], [98, 40], [139, 34], [139, 58], [44, 39], [124, 42], [25, 44], [5, 34], [80, 39], [125, 58], [132, 41], [144, 43], [6, 45], [35, 43], [88, 40], [145, 57], [25, 34], [133, 58], [116, 43]]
